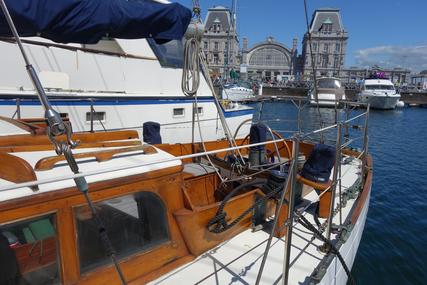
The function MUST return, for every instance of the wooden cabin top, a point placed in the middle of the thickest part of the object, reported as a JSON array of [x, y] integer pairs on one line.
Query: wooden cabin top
[[31, 158]]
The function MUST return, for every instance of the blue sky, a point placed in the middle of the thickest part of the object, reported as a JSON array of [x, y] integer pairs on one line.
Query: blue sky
[[390, 33]]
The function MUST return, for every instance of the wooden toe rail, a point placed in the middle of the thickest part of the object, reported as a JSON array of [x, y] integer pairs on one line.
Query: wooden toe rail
[[48, 163], [15, 169]]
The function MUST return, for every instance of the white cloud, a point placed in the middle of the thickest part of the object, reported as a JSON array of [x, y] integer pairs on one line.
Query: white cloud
[[410, 57]]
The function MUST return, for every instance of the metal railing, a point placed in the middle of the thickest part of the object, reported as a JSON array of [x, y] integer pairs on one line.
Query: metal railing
[[342, 124]]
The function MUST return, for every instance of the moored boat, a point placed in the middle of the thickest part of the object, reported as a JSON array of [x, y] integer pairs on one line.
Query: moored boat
[[236, 93], [329, 92], [107, 207], [111, 82], [379, 93]]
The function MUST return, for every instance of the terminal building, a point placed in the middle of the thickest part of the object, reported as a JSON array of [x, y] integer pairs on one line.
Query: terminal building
[[269, 60], [327, 49]]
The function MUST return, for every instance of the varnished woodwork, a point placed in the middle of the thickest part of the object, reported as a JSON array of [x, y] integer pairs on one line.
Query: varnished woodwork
[[200, 190], [28, 127], [325, 199], [67, 242], [166, 183], [316, 185], [48, 163], [27, 140], [189, 203], [163, 270], [363, 197], [16, 169], [193, 224], [46, 201], [31, 257], [81, 145]]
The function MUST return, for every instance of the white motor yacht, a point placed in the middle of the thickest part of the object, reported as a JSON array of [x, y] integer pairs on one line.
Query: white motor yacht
[[329, 91], [379, 93], [236, 93]]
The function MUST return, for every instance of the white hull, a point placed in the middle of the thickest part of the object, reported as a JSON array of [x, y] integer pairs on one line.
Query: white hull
[[383, 102], [130, 86], [335, 273], [325, 100], [131, 114]]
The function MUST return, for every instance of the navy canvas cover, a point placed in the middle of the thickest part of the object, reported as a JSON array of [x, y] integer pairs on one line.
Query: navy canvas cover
[[319, 164], [88, 21], [151, 133], [257, 134]]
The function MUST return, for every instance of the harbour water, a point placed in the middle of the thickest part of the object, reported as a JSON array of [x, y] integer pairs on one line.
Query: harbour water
[[393, 249]]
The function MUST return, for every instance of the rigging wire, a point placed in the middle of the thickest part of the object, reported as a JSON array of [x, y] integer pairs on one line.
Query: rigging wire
[[57, 127], [313, 66]]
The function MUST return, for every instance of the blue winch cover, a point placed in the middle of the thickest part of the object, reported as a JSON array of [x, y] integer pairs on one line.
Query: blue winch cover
[[319, 164], [257, 134], [88, 21], [151, 133]]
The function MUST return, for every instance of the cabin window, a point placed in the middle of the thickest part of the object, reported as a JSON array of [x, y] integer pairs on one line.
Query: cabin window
[[134, 223], [64, 115], [170, 54], [97, 116], [200, 110], [28, 252], [178, 112]]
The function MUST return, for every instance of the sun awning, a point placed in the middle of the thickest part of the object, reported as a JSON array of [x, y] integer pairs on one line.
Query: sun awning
[[87, 21]]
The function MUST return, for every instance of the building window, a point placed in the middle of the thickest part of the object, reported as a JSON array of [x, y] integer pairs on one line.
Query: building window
[[178, 112], [134, 223], [326, 48], [325, 61], [336, 61], [205, 45], [215, 58], [97, 117], [314, 46], [337, 47], [29, 251], [216, 46]]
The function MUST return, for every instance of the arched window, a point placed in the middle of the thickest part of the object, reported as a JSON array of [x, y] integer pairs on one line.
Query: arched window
[[269, 56]]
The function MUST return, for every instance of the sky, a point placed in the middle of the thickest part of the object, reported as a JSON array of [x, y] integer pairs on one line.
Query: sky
[[390, 33]]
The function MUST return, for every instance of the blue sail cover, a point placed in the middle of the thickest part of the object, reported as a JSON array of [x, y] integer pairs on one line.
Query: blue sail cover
[[88, 21]]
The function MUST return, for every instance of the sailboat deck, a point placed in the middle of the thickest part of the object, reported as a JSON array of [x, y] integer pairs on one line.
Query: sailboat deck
[[237, 261]]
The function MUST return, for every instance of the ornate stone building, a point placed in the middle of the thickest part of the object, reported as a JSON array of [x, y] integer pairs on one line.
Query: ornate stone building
[[220, 42], [328, 41], [269, 60]]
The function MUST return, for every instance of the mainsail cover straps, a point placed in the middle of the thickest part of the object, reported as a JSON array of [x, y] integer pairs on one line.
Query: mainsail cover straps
[[88, 21]]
